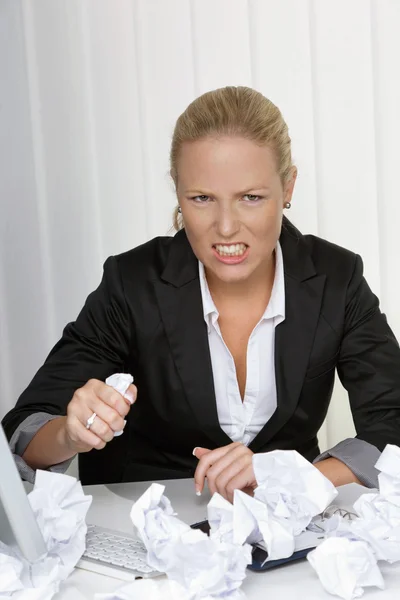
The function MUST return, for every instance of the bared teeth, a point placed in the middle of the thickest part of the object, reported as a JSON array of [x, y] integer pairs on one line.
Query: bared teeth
[[232, 250]]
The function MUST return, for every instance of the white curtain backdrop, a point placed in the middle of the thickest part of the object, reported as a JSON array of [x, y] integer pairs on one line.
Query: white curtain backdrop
[[89, 93]]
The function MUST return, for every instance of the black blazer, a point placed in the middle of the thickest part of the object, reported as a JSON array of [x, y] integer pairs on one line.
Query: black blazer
[[146, 318]]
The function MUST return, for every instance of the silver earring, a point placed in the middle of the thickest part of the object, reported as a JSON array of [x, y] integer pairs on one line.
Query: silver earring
[[288, 205], [179, 210]]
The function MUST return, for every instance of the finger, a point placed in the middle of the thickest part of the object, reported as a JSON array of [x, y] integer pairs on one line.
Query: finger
[[244, 480], [110, 396], [131, 394], [107, 414], [222, 480], [200, 452], [206, 461], [102, 429], [85, 402], [114, 399], [82, 439], [227, 462]]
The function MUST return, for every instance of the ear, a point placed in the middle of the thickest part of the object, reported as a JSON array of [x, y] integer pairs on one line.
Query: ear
[[289, 186]]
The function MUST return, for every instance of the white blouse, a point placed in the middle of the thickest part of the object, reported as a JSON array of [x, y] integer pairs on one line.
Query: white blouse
[[242, 420]]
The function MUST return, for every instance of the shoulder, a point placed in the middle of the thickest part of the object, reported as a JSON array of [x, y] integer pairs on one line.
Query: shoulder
[[306, 255], [329, 257], [148, 259], [342, 267]]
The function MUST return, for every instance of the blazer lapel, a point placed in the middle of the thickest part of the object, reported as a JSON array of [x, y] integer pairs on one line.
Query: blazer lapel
[[294, 336], [179, 300]]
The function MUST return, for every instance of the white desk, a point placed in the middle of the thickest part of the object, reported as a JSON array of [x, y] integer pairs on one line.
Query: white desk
[[111, 507]]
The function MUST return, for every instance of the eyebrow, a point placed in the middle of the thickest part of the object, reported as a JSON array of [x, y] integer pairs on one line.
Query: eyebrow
[[242, 193]]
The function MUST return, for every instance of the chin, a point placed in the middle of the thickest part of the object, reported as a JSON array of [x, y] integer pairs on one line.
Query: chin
[[231, 274]]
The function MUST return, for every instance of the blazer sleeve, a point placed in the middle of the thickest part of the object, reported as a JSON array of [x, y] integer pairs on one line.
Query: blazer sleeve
[[369, 365], [95, 346]]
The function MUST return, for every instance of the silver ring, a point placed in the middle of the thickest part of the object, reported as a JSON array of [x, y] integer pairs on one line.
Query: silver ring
[[90, 421]]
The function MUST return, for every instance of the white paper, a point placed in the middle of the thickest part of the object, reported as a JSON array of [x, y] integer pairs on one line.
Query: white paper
[[10, 570], [292, 488], [237, 523], [203, 566], [379, 522], [157, 526], [345, 567], [121, 382], [382, 537], [248, 520], [346, 561], [60, 508], [220, 518], [389, 466], [290, 492]]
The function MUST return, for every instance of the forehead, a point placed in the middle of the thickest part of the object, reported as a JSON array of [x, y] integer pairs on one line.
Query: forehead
[[210, 161]]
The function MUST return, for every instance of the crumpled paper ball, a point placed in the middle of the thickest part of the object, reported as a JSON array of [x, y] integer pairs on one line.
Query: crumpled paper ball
[[345, 567], [203, 566]]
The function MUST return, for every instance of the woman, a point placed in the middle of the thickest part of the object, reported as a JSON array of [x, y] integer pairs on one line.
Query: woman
[[232, 330]]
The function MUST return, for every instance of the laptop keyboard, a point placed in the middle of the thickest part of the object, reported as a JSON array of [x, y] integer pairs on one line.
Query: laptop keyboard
[[117, 550]]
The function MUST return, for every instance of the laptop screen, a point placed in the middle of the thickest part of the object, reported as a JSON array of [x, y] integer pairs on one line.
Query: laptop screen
[[18, 526]]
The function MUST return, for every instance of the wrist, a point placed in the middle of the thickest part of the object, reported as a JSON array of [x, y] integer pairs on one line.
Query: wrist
[[62, 438], [336, 471], [49, 446]]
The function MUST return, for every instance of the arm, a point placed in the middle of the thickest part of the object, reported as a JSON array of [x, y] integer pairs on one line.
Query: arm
[[336, 471], [369, 369], [22, 437], [95, 346], [49, 446]]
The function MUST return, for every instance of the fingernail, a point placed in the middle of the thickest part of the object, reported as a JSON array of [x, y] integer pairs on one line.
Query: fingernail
[[129, 397], [198, 491], [194, 451], [124, 424]]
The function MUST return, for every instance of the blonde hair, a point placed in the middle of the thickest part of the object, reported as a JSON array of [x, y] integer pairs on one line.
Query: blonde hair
[[232, 110]]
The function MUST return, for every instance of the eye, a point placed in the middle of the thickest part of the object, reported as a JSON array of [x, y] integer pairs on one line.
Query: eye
[[200, 199], [252, 197]]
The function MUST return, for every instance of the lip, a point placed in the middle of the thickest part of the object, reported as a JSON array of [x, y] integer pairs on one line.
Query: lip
[[231, 260]]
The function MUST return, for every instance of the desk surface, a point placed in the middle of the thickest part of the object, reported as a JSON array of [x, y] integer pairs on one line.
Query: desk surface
[[111, 507]]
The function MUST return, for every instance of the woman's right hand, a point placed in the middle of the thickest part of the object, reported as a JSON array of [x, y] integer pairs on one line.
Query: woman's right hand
[[110, 407]]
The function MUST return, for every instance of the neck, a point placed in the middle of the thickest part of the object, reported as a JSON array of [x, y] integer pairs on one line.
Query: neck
[[257, 286]]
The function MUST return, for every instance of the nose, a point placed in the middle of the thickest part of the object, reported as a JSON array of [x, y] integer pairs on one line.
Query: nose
[[227, 223]]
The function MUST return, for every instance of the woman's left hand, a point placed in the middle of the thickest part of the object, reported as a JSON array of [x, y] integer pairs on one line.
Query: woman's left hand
[[227, 469]]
